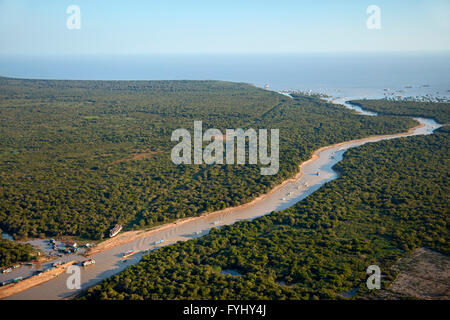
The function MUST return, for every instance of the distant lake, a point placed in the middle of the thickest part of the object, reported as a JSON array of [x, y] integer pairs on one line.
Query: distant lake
[[358, 73]]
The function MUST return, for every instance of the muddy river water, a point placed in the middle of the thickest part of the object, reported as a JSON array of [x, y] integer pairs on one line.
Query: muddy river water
[[315, 173]]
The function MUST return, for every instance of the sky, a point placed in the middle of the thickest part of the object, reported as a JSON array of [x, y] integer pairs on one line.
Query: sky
[[212, 26]]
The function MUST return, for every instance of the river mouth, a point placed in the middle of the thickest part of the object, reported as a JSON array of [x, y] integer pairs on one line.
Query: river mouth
[[314, 173]]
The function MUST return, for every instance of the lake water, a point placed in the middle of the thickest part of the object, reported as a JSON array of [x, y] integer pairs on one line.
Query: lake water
[[340, 74]]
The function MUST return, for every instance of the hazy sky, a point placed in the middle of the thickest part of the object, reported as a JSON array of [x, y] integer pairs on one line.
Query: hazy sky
[[212, 26]]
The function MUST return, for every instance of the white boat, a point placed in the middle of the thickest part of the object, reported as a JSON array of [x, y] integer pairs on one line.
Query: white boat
[[88, 262], [114, 231]]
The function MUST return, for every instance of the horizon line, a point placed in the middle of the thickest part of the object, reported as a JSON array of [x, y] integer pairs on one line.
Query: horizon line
[[4, 54]]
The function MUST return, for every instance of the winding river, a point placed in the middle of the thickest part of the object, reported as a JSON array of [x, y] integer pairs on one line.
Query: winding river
[[281, 197]]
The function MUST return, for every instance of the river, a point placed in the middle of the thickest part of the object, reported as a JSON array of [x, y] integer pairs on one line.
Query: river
[[282, 197]]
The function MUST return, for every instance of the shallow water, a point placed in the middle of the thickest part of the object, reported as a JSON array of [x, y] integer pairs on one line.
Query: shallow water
[[109, 261]]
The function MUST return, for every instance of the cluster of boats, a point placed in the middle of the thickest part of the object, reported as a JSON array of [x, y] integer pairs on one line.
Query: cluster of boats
[[67, 248], [36, 273], [18, 279], [15, 280], [56, 264]]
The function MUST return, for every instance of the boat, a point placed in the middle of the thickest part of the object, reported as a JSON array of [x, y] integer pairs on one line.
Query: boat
[[128, 254], [115, 231], [71, 244], [7, 270], [86, 263]]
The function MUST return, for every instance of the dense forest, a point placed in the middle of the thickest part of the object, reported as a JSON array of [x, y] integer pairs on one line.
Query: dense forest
[[440, 112], [11, 252], [77, 157], [392, 197]]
